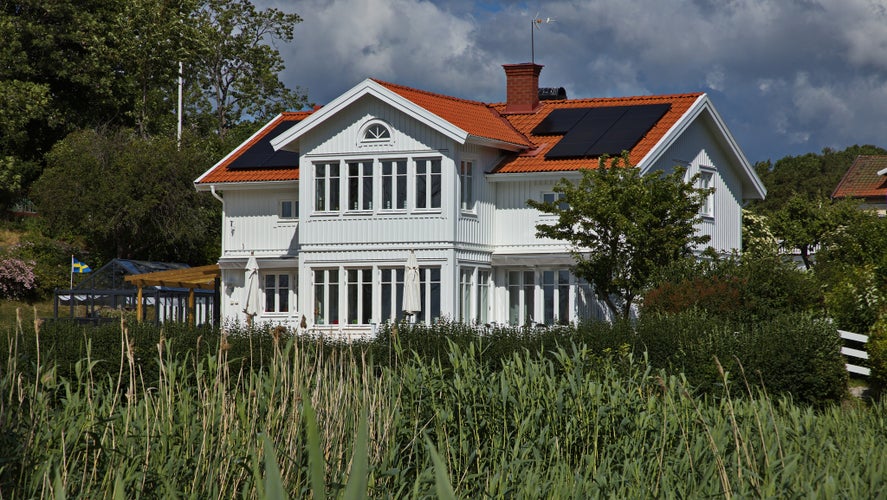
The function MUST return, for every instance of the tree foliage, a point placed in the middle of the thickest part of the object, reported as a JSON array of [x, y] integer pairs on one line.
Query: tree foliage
[[813, 176], [132, 197], [623, 226], [802, 223]]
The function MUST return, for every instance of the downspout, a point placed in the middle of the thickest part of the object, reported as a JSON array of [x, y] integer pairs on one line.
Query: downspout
[[212, 190]]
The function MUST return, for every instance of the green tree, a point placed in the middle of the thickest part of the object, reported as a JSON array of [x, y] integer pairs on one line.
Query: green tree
[[132, 197], [803, 223], [812, 175], [235, 67], [623, 226]]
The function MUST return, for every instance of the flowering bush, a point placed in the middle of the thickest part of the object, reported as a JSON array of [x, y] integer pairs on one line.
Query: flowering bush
[[17, 278]]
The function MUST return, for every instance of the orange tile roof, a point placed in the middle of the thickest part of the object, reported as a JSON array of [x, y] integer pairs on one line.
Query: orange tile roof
[[221, 173], [862, 179], [535, 161], [477, 118]]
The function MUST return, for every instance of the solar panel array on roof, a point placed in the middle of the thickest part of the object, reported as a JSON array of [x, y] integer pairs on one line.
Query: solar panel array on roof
[[599, 131], [262, 155]]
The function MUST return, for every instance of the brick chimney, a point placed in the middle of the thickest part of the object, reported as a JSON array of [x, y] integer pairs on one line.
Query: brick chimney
[[522, 87]]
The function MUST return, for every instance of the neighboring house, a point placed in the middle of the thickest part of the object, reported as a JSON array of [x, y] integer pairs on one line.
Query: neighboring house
[[331, 203], [866, 180]]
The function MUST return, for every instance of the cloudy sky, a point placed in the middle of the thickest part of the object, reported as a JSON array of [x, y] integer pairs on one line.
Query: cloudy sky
[[788, 76]]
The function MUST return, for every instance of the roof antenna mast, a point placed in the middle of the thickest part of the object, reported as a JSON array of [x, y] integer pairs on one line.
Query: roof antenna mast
[[534, 25]]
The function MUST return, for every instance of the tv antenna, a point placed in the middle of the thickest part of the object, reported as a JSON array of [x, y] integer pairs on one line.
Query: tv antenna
[[534, 25]]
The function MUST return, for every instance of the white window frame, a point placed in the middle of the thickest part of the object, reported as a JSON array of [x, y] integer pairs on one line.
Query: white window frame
[[482, 298], [467, 200], [365, 172], [274, 290], [294, 210], [327, 189], [429, 180], [466, 289], [391, 288], [326, 295], [398, 182], [376, 132], [363, 306], [431, 311], [556, 285], [526, 297], [550, 196], [706, 181]]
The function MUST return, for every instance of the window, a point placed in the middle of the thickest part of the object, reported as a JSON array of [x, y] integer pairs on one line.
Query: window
[[376, 132], [553, 197], [428, 183], [392, 294], [430, 281], [288, 209], [360, 185], [556, 297], [521, 295], [277, 293], [465, 182], [326, 296], [394, 184], [326, 187], [360, 296], [465, 283], [706, 181], [483, 296]]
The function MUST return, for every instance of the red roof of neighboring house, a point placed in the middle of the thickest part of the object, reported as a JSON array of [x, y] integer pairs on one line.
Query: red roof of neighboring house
[[481, 120], [224, 173], [862, 179]]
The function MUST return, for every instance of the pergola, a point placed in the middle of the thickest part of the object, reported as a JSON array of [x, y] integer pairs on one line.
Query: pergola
[[192, 278]]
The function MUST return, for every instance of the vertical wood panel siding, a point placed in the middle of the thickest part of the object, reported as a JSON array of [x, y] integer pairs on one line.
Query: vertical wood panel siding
[[515, 221], [251, 222], [697, 148]]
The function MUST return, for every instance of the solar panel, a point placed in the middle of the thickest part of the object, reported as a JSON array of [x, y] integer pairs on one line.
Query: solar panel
[[262, 155], [560, 121], [605, 130], [628, 129]]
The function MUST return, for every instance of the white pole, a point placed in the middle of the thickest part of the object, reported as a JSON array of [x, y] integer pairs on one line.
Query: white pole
[[179, 113], [72, 273]]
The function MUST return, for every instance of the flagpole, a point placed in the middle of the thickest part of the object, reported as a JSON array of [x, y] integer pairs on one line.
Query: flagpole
[[72, 272]]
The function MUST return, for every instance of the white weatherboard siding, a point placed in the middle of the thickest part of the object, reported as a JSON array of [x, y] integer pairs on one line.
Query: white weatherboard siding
[[251, 222], [697, 150], [515, 221]]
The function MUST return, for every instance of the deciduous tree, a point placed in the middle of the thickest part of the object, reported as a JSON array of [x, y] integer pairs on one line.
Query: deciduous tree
[[623, 226]]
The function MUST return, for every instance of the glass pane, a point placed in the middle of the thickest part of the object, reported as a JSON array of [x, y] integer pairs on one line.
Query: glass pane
[[421, 181], [283, 300], [401, 182], [435, 184], [367, 188], [269, 281], [319, 194], [286, 209], [319, 311], [366, 302], [334, 194]]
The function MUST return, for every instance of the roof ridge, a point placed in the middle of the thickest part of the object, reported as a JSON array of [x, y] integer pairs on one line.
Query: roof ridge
[[648, 97], [429, 93]]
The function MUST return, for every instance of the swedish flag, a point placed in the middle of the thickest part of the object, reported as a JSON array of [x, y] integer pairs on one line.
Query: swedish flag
[[79, 267]]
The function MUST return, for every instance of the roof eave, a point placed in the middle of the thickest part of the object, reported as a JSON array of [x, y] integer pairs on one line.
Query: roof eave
[[240, 185], [701, 105], [496, 143], [289, 140], [238, 149]]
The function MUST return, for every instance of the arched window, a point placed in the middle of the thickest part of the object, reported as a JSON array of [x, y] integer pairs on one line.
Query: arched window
[[376, 132]]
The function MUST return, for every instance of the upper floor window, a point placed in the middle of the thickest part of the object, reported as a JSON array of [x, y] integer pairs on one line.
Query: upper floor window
[[326, 187], [552, 197], [707, 181], [288, 209], [376, 132], [466, 184], [360, 185], [428, 183], [394, 184]]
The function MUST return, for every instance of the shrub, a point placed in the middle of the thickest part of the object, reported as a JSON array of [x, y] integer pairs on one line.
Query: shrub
[[877, 349], [17, 279]]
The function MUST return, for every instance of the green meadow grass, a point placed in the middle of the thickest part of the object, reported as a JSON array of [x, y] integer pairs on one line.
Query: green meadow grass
[[313, 419]]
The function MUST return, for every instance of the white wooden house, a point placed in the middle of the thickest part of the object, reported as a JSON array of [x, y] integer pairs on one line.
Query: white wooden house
[[331, 203]]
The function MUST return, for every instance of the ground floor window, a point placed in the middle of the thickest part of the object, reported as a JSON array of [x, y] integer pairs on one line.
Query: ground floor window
[[556, 296], [465, 286], [521, 297], [360, 296], [392, 294], [326, 296], [483, 296], [277, 293], [430, 282]]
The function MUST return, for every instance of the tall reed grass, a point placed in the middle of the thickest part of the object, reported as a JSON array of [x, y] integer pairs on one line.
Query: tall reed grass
[[315, 419]]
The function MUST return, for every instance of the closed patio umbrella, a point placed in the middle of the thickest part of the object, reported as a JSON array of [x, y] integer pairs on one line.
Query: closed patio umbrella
[[412, 289], [251, 301]]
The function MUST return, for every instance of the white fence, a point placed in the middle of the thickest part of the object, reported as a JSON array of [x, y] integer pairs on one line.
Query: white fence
[[853, 353]]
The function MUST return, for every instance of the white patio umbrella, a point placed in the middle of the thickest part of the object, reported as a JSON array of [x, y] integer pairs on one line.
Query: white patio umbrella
[[250, 302], [412, 291]]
